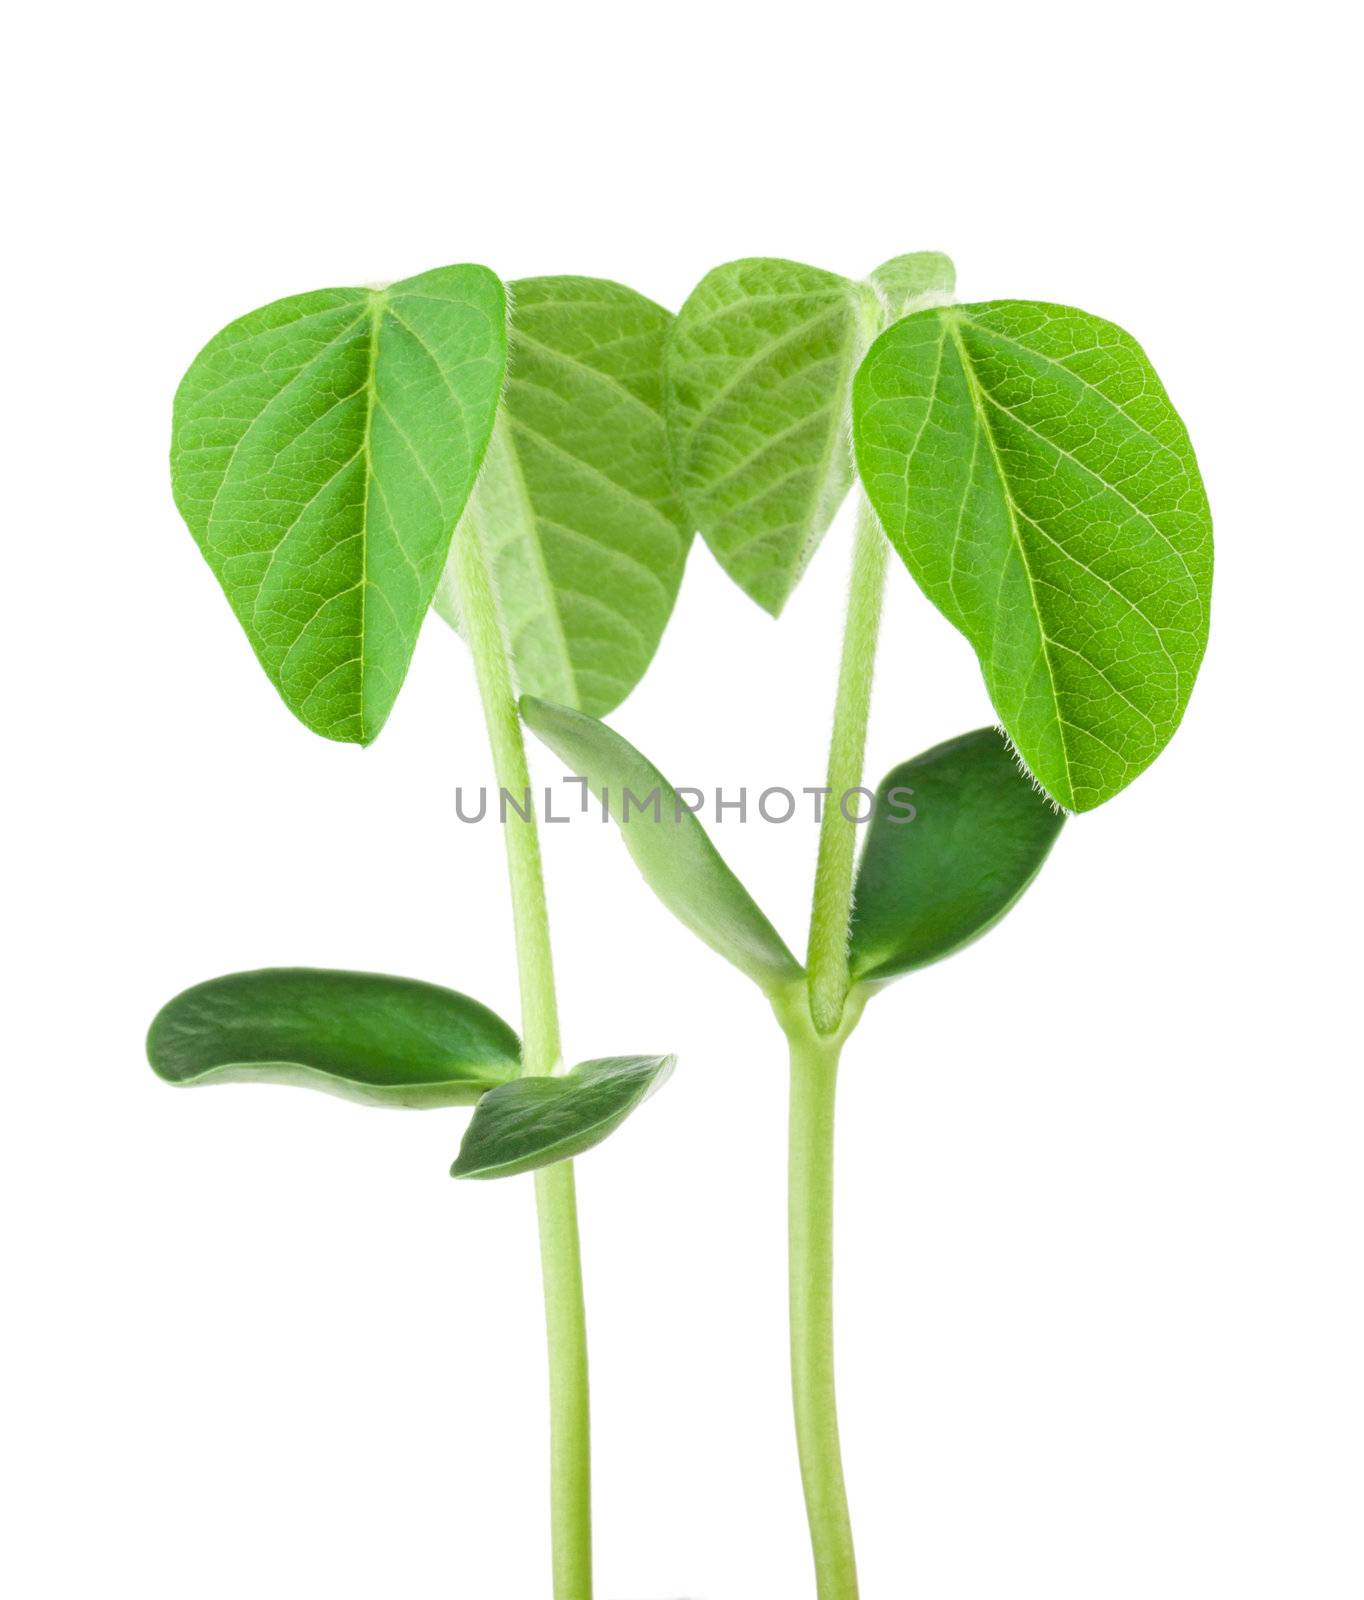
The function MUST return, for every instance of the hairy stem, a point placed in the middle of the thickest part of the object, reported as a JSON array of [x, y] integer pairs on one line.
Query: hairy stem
[[555, 1194], [816, 1023], [810, 1224], [828, 954]]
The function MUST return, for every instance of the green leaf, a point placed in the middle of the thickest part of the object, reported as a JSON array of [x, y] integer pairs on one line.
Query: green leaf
[[759, 367], [323, 450], [760, 360], [1029, 468], [535, 1122], [390, 1041], [907, 283], [957, 835], [670, 847], [575, 508]]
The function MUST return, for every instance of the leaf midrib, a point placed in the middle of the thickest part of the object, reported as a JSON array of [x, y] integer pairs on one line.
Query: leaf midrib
[[522, 491], [327, 349], [771, 346], [1112, 486], [537, 523], [988, 332], [1025, 353], [746, 302], [826, 416], [953, 321], [376, 310], [563, 359], [838, 411]]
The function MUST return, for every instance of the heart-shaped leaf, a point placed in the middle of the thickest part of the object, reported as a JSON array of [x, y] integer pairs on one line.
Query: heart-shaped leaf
[[1029, 468], [391, 1041], [759, 367], [324, 448], [575, 508], [535, 1122], [670, 847], [957, 835]]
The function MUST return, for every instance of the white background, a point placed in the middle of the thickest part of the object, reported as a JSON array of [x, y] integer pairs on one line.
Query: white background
[[1100, 1226]]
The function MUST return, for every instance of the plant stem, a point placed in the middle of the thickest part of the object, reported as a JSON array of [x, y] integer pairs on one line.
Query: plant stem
[[810, 1224], [570, 1458], [555, 1193], [816, 1023], [828, 953]]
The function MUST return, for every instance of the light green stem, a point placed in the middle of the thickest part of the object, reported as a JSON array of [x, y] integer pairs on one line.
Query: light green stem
[[810, 1226], [828, 955], [555, 1194], [816, 1023]]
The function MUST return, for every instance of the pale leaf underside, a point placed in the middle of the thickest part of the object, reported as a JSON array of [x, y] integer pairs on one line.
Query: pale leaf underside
[[575, 508], [908, 283], [759, 366]]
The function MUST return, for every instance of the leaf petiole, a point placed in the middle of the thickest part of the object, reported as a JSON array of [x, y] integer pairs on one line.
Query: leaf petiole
[[827, 961]]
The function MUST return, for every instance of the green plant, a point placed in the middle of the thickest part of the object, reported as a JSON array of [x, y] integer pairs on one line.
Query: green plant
[[1025, 463], [345, 459], [532, 465]]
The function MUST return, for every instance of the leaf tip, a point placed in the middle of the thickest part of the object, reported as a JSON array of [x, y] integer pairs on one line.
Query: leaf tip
[[157, 1056], [1063, 807]]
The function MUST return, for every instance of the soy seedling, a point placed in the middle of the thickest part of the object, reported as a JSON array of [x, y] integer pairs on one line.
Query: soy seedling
[[344, 459], [1025, 463]]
